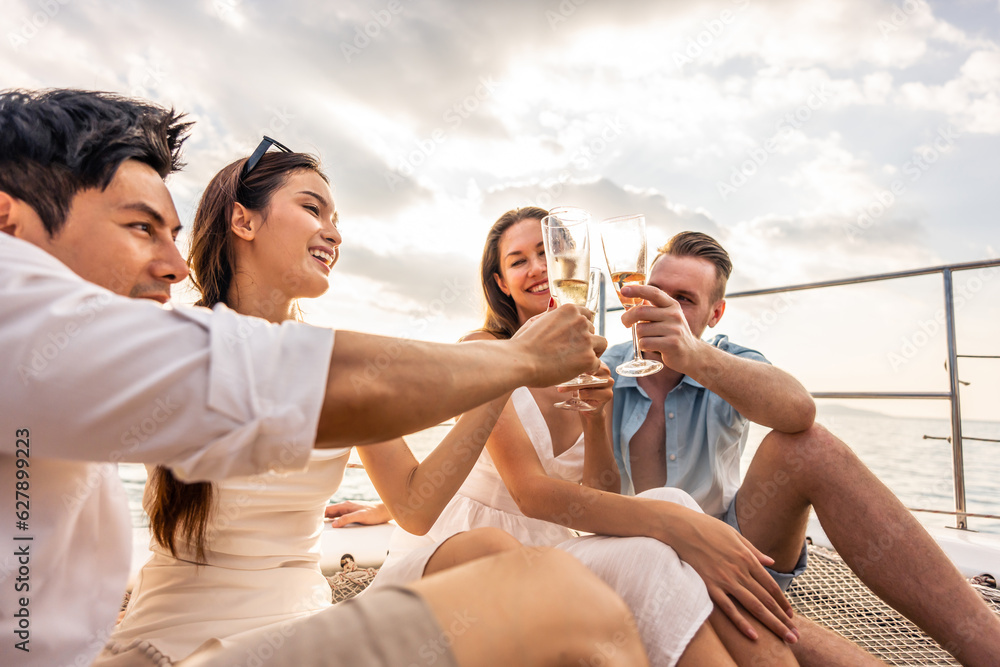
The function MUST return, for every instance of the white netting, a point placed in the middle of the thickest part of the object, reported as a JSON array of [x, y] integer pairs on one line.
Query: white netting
[[830, 594]]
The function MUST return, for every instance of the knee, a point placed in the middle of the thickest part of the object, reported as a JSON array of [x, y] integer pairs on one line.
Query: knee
[[580, 609], [560, 570], [489, 541], [814, 449], [672, 495]]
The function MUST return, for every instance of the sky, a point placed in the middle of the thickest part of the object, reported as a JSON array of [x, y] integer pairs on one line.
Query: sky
[[814, 140]]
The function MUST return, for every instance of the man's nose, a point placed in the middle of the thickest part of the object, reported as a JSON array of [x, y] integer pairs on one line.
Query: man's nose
[[171, 267]]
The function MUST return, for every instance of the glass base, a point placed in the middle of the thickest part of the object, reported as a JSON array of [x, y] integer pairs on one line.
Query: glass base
[[584, 380], [637, 368], [574, 403]]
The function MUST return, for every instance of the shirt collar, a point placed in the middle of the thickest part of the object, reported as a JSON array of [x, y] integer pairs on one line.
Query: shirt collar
[[624, 382]]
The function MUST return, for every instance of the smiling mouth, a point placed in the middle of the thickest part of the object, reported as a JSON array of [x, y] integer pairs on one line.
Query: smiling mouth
[[323, 257], [538, 289]]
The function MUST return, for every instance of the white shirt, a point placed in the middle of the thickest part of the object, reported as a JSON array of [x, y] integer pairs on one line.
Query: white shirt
[[94, 378]]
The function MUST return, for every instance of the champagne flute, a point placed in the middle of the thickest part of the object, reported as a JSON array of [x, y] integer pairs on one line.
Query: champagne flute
[[624, 241], [565, 233]]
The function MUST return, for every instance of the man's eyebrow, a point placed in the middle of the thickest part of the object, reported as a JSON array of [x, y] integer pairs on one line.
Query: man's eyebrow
[[143, 207]]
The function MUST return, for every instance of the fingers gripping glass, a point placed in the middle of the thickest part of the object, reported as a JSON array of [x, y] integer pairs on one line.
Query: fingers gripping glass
[[258, 153], [624, 242], [565, 233]]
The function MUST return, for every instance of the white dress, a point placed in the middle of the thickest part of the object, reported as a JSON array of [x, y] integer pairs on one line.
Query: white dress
[[263, 548], [667, 597]]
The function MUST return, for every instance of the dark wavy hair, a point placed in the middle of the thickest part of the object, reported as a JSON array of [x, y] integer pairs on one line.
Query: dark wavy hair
[[501, 312], [179, 507], [55, 143]]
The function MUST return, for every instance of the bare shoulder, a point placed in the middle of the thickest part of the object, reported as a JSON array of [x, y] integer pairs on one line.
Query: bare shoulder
[[477, 335]]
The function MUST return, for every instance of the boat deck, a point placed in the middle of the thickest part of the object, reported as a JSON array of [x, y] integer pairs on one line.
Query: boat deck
[[828, 593]]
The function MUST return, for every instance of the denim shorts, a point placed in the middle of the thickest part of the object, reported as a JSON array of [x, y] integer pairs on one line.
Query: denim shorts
[[784, 579]]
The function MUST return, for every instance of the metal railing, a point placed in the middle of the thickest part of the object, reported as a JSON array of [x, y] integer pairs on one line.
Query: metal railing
[[952, 395]]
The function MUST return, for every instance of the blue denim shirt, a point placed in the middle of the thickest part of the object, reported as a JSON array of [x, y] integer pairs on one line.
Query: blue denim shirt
[[705, 435]]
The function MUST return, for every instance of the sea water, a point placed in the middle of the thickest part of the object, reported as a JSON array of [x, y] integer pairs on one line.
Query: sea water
[[917, 470]]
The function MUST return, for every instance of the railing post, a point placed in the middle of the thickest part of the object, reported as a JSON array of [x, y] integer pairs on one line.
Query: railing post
[[958, 464]]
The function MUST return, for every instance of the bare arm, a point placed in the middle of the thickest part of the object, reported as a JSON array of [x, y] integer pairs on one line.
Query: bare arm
[[415, 492], [760, 392], [600, 471], [381, 388]]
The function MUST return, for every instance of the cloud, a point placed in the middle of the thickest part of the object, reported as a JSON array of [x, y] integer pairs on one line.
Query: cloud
[[776, 250], [604, 198], [971, 100], [409, 280]]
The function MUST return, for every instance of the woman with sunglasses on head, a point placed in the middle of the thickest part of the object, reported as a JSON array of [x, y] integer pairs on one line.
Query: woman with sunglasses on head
[[547, 472], [232, 557]]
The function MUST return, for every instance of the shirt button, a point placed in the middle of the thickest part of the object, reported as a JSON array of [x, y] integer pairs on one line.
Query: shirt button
[[673, 457], [670, 415]]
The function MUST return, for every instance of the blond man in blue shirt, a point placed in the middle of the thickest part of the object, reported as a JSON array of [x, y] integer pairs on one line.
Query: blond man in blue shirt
[[686, 426]]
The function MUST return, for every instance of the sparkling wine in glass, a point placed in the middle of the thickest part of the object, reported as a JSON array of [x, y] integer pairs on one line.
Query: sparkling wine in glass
[[624, 241], [565, 232]]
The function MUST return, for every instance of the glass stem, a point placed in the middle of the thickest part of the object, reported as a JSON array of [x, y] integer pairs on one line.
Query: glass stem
[[635, 345]]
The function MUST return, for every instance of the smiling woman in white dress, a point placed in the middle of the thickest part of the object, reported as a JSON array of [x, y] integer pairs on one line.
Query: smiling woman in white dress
[[232, 556], [547, 473]]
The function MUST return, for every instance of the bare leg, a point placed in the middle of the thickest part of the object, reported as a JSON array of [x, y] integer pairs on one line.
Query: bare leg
[[819, 646], [768, 649], [705, 649], [468, 546], [533, 607], [877, 537]]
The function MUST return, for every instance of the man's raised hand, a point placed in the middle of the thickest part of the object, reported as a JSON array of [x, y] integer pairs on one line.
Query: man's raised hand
[[661, 326]]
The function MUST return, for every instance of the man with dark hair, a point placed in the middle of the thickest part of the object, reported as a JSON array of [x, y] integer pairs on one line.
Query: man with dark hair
[[686, 427], [95, 378]]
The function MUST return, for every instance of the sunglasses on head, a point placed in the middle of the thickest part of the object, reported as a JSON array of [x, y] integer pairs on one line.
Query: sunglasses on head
[[258, 153]]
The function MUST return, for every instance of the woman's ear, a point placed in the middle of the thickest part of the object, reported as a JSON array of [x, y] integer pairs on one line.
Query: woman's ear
[[242, 223], [501, 284]]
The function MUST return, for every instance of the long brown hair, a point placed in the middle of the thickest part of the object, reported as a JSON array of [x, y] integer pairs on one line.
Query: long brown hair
[[178, 506], [501, 312]]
